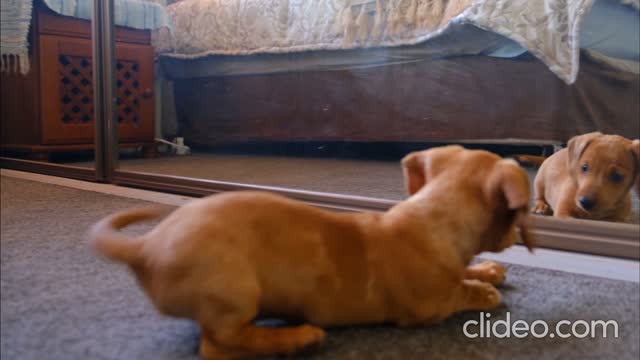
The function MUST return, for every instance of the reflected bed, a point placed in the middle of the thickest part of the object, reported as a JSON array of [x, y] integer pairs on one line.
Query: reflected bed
[[465, 79]]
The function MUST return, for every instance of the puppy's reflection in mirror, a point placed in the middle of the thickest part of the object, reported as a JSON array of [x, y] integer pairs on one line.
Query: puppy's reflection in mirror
[[593, 178]]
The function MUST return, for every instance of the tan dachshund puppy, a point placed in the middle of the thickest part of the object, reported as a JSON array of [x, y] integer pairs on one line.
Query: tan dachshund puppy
[[590, 179], [225, 259]]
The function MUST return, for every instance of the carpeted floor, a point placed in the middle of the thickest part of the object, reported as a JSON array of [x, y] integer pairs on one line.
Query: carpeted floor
[[61, 302]]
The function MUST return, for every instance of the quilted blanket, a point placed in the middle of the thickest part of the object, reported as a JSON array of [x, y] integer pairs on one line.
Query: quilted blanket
[[547, 28]]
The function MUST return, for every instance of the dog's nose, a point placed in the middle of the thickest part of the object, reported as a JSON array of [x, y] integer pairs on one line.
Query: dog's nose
[[587, 203]]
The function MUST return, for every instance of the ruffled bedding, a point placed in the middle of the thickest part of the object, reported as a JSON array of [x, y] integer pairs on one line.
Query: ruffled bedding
[[547, 28]]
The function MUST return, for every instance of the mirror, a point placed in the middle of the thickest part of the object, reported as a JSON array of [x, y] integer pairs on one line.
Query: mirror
[[329, 96]]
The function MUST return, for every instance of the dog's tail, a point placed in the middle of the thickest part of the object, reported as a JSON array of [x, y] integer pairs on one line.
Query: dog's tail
[[105, 238], [530, 159]]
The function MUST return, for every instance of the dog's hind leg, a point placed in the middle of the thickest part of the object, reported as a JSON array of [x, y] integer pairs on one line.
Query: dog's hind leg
[[251, 340], [228, 331], [209, 350]]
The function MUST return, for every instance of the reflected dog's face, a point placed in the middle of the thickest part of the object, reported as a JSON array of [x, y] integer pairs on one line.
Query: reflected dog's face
[[604, 169]]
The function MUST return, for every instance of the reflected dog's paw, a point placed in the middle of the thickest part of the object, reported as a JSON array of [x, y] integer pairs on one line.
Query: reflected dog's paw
[[541, 208]]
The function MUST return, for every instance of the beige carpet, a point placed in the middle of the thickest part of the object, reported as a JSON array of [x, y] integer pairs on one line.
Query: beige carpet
[[59, 301]]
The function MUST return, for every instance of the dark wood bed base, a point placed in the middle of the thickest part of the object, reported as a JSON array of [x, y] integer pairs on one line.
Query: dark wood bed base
[[472, 97]]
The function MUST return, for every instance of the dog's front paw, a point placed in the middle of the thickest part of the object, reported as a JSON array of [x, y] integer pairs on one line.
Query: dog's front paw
[[492, 297], [488, 271], [541, 208], [484, 296]]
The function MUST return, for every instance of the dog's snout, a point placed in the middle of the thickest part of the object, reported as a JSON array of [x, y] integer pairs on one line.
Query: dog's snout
[[587, 203]]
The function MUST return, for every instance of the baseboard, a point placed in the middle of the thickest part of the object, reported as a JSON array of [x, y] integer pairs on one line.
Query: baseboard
[[139, 194]]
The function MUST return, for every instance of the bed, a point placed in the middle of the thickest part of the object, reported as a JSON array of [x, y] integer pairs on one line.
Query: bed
[[401, 70]]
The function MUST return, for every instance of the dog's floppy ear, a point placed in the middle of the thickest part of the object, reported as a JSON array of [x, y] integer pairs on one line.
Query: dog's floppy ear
[[419, 166], [576, 146], [509, 181], [635, 149], [413, 169], [522, 222]]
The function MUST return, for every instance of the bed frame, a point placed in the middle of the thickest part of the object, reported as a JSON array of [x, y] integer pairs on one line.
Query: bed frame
[[461, 98]]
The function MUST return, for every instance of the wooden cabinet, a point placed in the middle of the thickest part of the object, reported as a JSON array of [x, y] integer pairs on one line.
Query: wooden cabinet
[[51, 108]]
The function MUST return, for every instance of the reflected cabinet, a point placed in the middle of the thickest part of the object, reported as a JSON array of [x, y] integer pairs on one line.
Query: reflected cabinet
[[52, 108]]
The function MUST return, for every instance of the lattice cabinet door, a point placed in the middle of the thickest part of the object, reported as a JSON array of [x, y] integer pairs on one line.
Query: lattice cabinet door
[[67, 91]]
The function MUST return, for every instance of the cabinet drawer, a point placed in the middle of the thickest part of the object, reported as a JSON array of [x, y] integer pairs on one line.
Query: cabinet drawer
[[66, 91]]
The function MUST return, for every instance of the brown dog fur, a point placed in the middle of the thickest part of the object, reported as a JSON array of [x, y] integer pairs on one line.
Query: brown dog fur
[[225, 259], [586, 170]]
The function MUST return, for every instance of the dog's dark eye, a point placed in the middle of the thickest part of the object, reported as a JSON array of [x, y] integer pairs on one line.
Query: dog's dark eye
[[585, 168], [616, 177]]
